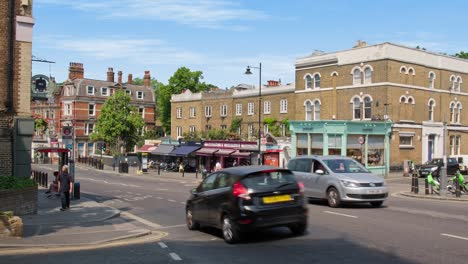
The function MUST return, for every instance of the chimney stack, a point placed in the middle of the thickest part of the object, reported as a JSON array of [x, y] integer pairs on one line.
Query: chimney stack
[[110, 75], [75, 71], [119, 77], [273, 83], [147, 79], [130, 79], [360, 44]]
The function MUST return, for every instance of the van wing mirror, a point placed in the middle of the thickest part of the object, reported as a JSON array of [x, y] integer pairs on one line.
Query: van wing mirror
[[320, 172]]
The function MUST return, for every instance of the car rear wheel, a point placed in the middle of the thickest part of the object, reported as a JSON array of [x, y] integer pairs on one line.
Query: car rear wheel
[[191, 224], [230, 232], [298, 229], [333, 197], [377, 203]]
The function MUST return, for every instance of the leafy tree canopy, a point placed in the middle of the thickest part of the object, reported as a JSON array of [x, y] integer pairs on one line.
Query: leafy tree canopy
[[119, 123], [462, 55]]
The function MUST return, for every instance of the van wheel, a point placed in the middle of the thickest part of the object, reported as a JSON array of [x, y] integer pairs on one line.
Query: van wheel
[[333, 197], [230, 232], [376, 204], [191, 224]]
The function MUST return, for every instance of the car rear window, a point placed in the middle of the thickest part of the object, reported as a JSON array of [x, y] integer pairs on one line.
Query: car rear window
[[267, 179]]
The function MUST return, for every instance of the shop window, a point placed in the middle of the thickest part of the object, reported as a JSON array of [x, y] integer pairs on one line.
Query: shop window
[[316, 146], [354, 149], [301, 144], [375, 150], [334, 144]]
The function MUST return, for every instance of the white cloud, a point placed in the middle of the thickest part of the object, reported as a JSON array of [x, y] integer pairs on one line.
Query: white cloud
[[201, 13]]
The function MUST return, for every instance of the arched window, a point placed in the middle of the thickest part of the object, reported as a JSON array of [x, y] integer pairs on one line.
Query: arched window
[[410, 100], [452, 83], [452, 112], [458, 85], [308, 110], [403, 99], [431, 80], [309, 82], [367, 108], [317, 110], [431, 110], [316, 81], [356, 108], [368, 75], [357, 79], [458, 113], [403, 70], [411, 71]]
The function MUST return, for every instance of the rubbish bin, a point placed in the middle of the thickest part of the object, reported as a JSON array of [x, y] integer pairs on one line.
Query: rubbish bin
[[76, 190], [124, 167]]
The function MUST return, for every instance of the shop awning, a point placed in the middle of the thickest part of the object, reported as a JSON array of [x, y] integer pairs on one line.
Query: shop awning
[[206, 151], [49, 150], [147, 148], [224, 152], [273, 150], [238, 154], [184, 151], [163, 150]]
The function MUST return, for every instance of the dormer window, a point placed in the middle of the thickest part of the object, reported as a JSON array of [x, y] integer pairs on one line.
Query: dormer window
[[90, 89], [140, 95], [104, 91]]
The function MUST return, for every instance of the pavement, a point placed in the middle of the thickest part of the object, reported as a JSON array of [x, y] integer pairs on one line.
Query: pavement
[[52, 228]]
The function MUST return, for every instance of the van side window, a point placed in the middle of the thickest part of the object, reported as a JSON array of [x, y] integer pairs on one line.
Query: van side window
[[319, 166], [303, 165], [292, 165]]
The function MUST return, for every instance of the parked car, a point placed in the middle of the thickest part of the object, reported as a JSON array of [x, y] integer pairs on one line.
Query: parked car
[[247, 198], [435, 165], [338, 179]]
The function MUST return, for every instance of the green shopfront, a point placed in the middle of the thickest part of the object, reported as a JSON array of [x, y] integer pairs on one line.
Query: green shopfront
[[367, 142]]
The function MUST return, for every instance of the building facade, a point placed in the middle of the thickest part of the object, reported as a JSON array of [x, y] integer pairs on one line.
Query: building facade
[[81, 100], [16, 123], [414, 91]]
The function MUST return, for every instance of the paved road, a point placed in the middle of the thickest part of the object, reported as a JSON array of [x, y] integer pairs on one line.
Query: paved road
[[405, 230]]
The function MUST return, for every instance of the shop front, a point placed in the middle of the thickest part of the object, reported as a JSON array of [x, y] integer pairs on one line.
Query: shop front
[[227, 153], [367, 142]]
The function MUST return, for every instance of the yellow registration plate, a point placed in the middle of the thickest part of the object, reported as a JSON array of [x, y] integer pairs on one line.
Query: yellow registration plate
[[277, 199]]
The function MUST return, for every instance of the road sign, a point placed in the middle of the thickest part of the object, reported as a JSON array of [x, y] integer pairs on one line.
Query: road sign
[[69, 146], [67, 132]]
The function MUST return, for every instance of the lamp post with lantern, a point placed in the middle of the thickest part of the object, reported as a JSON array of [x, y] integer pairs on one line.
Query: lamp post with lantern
[[248, 72]]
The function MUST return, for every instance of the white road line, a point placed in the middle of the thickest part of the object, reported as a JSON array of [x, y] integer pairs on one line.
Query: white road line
[[141, 220], [459, 237], [351, 216], [163, 227], [174, 256], [172, 201], [162, 245], [159, 197], [182, 203]]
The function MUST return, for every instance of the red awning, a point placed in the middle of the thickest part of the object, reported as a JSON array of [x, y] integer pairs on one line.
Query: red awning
[[273, 150], [206, 151], [49, 150], [239, 154], [147, 148], [224, 152]]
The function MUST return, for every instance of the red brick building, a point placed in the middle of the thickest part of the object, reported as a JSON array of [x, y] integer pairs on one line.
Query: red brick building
[[81, 100]]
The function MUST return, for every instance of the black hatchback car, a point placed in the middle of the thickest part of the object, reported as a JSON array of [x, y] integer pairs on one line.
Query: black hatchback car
[[246, 198]]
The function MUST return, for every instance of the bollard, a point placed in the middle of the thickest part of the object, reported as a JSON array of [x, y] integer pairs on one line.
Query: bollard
[[412, 183], [196, 174], [426, 186], [416, 185], [46, 179], [159, 169], [183, 172]]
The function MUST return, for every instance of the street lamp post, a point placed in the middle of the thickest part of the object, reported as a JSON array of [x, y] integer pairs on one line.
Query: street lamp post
[[247, 71]]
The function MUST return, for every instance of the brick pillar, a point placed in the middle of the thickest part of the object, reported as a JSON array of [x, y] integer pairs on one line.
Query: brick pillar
[[110, 75], [75, 71]]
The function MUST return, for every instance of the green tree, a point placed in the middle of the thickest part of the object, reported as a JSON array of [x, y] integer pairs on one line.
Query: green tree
[[462, 55], [182, 79], [119, 124]]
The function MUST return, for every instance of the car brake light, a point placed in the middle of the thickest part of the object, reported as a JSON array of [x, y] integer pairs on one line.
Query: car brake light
[[301, 187], [240, 191]]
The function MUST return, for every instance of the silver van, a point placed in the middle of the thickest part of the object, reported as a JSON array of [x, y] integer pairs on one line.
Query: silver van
[[338, 179]]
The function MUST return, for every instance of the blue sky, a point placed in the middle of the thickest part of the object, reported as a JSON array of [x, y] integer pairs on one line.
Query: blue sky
[[221, 37]]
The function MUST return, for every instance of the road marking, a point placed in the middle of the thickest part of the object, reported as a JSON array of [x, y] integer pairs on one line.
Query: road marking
[[351, 216], [459, 237], [172, 201], [162, 245], [174, 256], [182, 203], [141, 220], [163, 227], [159, 197]]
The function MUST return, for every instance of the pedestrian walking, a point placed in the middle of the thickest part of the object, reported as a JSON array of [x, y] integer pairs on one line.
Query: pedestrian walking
[[65, 187]]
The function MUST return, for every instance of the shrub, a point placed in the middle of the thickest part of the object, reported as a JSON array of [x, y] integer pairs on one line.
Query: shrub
[[12, 183]]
